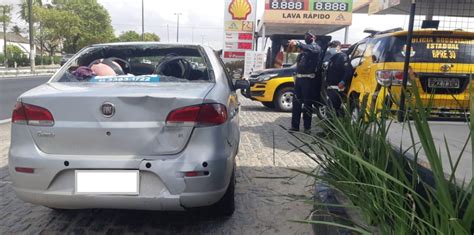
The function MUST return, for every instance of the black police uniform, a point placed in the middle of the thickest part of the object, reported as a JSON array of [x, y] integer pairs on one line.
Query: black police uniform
[[339, 70], [307, 85]]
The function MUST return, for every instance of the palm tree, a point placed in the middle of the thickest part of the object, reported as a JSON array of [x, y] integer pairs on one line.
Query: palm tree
[[5, 18], [16, 30], [24, 15], [24, 9]]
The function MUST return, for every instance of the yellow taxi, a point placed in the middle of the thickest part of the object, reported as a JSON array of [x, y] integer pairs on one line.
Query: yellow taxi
[[273, 87], [442, 60]]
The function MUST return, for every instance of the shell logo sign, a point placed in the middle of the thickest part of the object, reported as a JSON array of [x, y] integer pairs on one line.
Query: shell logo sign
[[239, 27], [240, 9]]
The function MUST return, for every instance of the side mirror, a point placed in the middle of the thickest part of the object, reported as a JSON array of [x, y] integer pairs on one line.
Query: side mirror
[[241, 84]]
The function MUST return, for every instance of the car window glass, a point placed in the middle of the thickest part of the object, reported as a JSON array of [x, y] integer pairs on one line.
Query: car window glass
[[369, 48], [137, 64], [434, 49], [377, 50], [359, 51]]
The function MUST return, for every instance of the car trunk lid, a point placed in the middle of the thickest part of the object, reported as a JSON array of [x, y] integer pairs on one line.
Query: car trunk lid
[[137, 126]]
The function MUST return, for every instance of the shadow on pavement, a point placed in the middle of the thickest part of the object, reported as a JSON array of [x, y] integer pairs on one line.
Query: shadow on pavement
[[263, 204]]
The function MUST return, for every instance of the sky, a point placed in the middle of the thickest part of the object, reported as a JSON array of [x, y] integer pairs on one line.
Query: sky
[[201, 21]]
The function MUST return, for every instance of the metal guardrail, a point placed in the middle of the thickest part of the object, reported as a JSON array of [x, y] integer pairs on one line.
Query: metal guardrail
[[27, 72]]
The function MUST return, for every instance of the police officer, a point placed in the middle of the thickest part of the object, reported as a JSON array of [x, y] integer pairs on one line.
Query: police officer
[[307, 88], [338, 75]]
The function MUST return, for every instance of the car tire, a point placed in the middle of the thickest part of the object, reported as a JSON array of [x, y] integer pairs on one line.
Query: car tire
[[283, 100], [226, 205], [270, 105], [322, 112], [355, 109]]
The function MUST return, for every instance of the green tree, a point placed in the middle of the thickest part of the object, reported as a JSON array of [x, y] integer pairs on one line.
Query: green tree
[[16, 55], [151, 37], [24, 13], [95, 24], [57, 27], [38, 32], [132, 36], [129, 36], [5, 18]]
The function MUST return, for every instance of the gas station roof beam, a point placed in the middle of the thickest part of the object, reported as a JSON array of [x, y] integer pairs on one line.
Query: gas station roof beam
[[436, 7]]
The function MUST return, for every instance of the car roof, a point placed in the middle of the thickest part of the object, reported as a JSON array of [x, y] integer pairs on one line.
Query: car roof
[[150, 43]]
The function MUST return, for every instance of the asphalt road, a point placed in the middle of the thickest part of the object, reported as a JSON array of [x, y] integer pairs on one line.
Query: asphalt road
[[11, 88]]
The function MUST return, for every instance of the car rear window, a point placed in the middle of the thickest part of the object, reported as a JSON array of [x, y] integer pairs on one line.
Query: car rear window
[[436, 49], [137, 64]]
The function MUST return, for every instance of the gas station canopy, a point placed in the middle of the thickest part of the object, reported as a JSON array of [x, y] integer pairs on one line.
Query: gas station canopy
[[453, 8], [295, 17], [292, 29]]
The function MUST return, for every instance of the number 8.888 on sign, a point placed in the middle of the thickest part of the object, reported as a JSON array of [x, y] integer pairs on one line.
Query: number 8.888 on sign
[[296, 5]]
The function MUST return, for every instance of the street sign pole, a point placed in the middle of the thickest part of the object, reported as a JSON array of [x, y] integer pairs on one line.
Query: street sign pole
[[177, 25], [143, 21], [401, 111]]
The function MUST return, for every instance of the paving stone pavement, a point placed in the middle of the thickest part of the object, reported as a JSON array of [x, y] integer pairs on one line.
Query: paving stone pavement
[[262, 203]]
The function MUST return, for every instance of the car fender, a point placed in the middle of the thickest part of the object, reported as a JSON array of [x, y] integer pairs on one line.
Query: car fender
[[274, 84]]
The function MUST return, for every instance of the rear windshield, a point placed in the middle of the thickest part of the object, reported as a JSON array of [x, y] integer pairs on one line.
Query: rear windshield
[[438, 49], [137, 64]]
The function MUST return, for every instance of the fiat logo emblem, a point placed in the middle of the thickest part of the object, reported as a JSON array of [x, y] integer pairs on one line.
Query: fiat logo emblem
[[108, 109]]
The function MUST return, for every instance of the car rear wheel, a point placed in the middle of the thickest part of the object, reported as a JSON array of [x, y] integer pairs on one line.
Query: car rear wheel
[[284, 99], [270, 105], [226, 205]]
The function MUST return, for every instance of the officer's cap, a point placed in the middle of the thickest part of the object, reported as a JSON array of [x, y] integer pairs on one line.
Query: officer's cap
[[334, 43], [310, 33]]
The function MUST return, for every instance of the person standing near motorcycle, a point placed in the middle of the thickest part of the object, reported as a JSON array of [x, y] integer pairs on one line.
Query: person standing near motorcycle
[[338, 75], [307, 88]]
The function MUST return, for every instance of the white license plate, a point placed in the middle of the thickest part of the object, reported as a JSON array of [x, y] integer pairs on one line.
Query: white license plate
[[449, 83], [123, 182]]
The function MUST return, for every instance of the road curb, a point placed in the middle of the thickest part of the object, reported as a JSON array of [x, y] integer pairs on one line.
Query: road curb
[[5, 121], [25, 75]]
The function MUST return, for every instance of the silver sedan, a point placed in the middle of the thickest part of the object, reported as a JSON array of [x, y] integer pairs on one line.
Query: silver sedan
[[145, 126]]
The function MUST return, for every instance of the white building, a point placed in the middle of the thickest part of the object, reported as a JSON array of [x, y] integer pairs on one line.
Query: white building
[[17, 40]]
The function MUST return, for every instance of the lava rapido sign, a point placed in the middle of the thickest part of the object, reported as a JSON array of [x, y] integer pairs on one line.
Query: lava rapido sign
[[322, 12]]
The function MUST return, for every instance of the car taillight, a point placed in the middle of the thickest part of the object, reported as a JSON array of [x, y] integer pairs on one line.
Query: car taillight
[[199, 115], [19, 115], [390, 77], [31, 115], [384, 77]]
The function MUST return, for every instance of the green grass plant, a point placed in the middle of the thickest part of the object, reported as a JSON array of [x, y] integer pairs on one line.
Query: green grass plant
[[357, 160]]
